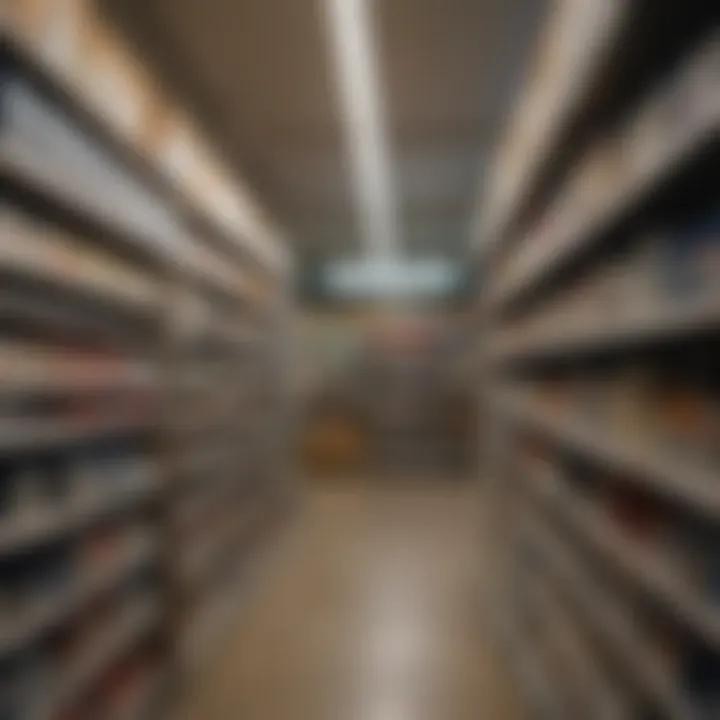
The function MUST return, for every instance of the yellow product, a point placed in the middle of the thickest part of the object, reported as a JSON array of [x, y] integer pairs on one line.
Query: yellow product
[[334, 446]]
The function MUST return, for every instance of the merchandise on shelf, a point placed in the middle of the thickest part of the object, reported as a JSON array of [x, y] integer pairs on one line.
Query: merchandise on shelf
[[691, 259]]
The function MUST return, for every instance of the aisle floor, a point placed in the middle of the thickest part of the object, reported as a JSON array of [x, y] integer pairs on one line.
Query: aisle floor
[[368, 608]]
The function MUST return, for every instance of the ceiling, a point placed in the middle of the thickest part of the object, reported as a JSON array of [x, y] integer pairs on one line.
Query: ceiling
[[258, 77]]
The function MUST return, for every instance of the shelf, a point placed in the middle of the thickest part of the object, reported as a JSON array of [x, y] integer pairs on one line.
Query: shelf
[[157, 237], [28, 529], [38, 259], [220, 238], [651, 467], [115, 279], [199, 563], [22, 436], [194, 465], [28, 174], [134, 622], [637, 565], [580, 78], [43, 316], [614, 626], [210, 620], [209, 419], [28, 371], [205, 493], [596, 334], [70, 383], [524, 661], [538, 258], [143, 701], [225, 281], [50, 611], [218, 603], [61, 92], [588, 675], [613, 187]]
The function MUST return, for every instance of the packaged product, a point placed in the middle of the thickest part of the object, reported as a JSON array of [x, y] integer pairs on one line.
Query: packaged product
[[684, 414], [628, 393], [690, 259]]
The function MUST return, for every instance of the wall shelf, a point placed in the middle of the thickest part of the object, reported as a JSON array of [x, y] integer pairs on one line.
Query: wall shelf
[[597, 375], [104, 263]]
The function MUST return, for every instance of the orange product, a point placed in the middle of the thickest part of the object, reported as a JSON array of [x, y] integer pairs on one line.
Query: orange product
[[687, 419]]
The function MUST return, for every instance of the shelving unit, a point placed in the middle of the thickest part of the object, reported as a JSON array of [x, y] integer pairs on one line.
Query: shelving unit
[[139, 384], [218, 506], [599, 366]]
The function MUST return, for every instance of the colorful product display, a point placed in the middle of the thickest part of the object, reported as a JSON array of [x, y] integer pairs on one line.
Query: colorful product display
[[670, 407], [121, 235], [687, 546], [671, 269]]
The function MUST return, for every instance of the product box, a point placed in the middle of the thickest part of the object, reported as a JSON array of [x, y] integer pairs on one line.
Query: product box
[[690, 259]]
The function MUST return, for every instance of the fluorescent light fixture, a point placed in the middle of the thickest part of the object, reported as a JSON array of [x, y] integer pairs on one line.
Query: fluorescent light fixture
[[348, 24], [424, 277]]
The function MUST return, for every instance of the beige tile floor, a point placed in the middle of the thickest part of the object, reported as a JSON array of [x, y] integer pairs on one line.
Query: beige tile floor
[[368, 609]]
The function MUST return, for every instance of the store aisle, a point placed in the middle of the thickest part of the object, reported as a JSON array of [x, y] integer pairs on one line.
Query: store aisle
[[369, 610]]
